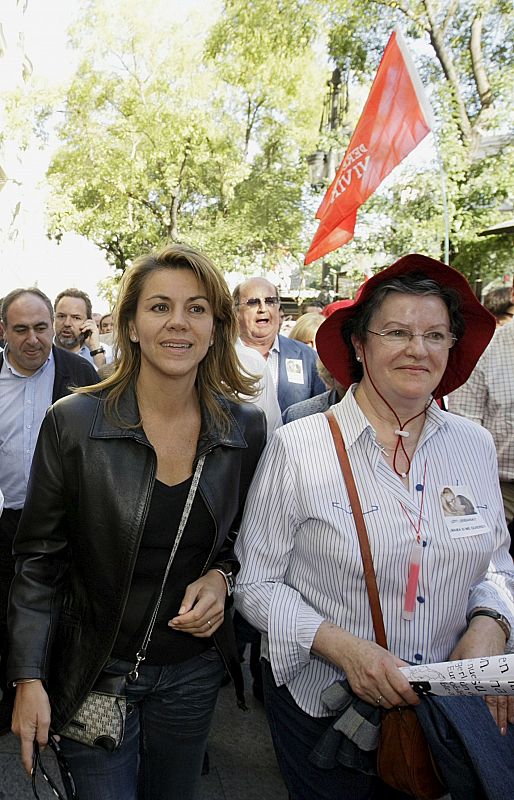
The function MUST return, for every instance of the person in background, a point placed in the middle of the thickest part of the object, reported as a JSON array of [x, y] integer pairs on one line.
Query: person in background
[[33, 375], [306, 327], [500, 302], [487, 398], [115, 466], [320, 403], [1, 326], [106, 325], [415, 332], [292, 364], [76, 330], [310, 306]]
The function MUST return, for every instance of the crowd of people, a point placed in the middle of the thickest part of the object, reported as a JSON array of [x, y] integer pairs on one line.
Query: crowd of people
[[172, 493]]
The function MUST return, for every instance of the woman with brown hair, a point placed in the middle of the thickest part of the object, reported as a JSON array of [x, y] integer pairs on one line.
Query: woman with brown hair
[[118, 469]]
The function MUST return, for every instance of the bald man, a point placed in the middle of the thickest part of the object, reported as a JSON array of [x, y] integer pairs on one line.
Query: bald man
[[292, 364]]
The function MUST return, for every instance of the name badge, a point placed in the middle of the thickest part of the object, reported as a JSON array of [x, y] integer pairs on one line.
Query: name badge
[[460, 512], [294, 370]]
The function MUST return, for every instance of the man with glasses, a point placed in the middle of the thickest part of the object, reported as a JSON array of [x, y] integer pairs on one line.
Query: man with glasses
[[292, 363]]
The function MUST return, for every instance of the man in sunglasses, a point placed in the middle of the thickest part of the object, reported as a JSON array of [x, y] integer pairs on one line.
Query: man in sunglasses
[[292, 363]]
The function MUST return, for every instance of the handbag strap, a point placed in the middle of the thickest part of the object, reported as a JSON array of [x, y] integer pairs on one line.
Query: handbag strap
[[367, 560], [141, 653]]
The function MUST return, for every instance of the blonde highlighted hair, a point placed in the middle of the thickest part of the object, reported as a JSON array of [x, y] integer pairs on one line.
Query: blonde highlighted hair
[[219, 373]]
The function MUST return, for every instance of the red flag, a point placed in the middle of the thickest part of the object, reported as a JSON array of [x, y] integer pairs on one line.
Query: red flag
[[395, 119]]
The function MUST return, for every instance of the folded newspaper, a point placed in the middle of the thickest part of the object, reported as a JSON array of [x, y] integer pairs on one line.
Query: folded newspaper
[[493, 675]]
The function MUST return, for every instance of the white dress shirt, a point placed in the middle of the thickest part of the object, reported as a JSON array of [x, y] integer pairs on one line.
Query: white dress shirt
[[255, 364], [488, 397], [300, 557]]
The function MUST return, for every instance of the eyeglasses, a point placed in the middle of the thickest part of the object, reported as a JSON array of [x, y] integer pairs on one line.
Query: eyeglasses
[[253, 302], [396, 338], [70, 792]]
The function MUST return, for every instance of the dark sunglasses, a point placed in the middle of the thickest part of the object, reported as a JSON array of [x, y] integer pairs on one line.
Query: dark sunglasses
[[70, 792], [253, 302]]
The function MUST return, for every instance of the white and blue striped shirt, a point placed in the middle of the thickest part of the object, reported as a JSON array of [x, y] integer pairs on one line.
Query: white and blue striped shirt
[[300, 556]]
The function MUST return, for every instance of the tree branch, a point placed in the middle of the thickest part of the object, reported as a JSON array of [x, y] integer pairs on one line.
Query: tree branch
[[477, 62], [450, 11], [176, 196], [450, 73]]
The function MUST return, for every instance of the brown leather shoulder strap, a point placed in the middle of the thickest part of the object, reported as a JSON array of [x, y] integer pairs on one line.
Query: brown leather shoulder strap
[[367, 560]]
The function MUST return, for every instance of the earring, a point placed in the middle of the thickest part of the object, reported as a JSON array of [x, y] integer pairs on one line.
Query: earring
[[211, 343], [358, 358], [134, 338]]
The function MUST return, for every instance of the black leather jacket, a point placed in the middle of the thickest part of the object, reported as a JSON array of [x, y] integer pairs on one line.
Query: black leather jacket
[[79, 534]]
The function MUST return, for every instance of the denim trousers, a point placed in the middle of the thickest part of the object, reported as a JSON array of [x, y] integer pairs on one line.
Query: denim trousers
[[295, 735], [161, 756]]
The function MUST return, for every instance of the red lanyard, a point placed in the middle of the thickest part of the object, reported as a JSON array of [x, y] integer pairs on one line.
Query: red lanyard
[[409, 601]]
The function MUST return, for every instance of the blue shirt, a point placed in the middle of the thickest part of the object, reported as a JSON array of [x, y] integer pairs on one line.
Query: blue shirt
[[24, 401]]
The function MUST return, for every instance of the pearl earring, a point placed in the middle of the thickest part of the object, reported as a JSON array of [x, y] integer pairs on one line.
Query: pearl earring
[[358, 358], [134, 338]]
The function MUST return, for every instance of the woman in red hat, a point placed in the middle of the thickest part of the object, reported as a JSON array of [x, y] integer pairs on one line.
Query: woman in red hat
[[413, 334]]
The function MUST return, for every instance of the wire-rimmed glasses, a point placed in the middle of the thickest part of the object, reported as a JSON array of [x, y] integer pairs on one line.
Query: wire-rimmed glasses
[[70, 792], [401, 337]]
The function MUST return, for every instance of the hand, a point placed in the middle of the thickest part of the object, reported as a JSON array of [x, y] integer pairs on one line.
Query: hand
[[203, 607], [31, 719], [502, 710], [89, 329], [484, 637], [372, 672]]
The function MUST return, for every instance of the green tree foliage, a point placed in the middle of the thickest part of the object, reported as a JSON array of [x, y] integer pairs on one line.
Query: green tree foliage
[[163, 142], [200, 131], [467, 66]]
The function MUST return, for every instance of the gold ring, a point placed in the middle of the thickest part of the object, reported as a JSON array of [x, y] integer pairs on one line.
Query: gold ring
[[209, 623], [378, 700]]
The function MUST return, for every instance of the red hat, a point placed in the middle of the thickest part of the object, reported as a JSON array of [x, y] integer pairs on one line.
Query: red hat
[[337, 355], [335, 306]]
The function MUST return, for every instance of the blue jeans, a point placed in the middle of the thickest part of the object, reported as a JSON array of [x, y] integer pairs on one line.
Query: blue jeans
[[294, 735], [165, 739]]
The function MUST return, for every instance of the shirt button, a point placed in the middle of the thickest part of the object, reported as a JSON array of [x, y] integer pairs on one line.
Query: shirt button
[[424, 542], [420, 599], [419, 487], [418, 657], [29, 427]]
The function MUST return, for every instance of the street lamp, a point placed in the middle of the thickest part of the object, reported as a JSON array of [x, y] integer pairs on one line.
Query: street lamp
[[322, 163]]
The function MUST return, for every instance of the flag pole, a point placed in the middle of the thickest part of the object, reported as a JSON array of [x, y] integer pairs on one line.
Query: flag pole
[[445, 202], [429, 114]]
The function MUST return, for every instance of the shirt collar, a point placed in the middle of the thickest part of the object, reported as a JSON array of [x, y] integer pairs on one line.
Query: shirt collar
[[276, 345], [14, 371], [353, 421]]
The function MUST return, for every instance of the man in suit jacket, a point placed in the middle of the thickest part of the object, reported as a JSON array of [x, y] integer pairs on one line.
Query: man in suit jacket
[[33, 375], [292, 364]]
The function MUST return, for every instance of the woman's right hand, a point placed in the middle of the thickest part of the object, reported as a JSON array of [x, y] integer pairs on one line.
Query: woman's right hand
[[31, 719], [372, 672]]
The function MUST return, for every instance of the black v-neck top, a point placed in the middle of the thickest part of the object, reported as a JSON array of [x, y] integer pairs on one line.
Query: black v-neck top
[[167, 646]]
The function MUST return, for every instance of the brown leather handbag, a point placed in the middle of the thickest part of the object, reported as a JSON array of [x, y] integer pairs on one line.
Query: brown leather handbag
[[404, 760]]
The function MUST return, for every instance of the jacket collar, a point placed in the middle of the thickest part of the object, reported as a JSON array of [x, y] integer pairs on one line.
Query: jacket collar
[[103, 427]]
